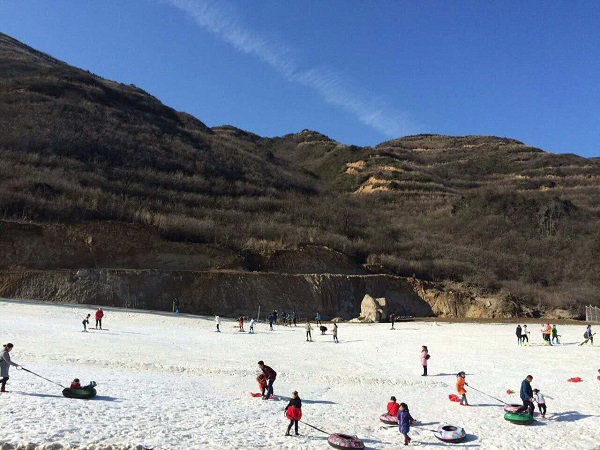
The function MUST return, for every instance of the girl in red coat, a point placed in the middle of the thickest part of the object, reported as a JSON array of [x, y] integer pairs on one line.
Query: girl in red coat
[[393, 407], [293, 411]]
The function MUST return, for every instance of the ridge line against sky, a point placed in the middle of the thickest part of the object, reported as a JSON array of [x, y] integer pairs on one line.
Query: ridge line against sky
[[333, 87]]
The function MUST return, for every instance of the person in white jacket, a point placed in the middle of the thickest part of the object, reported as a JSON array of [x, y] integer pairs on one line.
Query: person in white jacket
[[218, 323], [541, 401], [252, 322]]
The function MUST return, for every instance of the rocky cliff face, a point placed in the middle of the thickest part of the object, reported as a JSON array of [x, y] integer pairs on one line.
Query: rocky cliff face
[[127, 265], [234, 293]]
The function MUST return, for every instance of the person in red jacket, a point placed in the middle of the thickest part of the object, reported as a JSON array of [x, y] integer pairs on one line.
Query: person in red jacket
[[75, 384], [392, 407], [99, 316], [270, 375], [293, 411]]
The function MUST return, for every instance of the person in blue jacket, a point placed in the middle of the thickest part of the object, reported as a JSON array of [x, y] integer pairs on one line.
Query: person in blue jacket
[[404, 422], [526, 394], [318, 318]]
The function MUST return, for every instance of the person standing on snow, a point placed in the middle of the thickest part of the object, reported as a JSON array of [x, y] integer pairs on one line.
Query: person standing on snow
[[392, 319], [308, 331], [541, 401], [526, 394], [293, 411], [460, 388], [424, 357], [555, 335], [519, 335], [525, 335], [270, 376], [588, 335], [318, 318], [99, 316], [404, 422], [5, 363], [252, 322], [271, 319], [218, 323], [335, 331]]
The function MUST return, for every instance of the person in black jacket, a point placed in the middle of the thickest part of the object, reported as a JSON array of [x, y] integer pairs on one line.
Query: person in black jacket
[[519, 335], [293, 411], [526, 394]]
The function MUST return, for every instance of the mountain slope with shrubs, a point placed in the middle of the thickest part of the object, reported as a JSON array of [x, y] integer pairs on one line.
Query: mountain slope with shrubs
[[484, 213]]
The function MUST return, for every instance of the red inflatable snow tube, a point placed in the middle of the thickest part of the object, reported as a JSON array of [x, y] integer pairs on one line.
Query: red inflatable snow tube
[[293, 413], [575, 380], [344, 441]]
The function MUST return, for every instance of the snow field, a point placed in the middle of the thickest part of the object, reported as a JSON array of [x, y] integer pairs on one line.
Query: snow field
[[170, 381]]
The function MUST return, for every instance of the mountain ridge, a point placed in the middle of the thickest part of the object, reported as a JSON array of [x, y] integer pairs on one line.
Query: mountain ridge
[[488, 212]]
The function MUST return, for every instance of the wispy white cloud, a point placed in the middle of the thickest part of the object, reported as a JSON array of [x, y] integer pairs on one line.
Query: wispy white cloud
[[214, 17]]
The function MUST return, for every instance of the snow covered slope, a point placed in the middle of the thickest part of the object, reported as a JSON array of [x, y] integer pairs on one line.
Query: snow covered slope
[[171, 382]]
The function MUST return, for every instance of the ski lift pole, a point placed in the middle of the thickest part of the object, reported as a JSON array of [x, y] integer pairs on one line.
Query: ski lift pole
[[37, 375], [258, 315]]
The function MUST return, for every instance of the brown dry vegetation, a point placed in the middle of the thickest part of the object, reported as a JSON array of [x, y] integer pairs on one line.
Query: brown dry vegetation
[[487, 212]]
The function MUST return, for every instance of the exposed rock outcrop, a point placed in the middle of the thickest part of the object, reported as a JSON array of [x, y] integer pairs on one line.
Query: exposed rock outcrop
[[372, 310]]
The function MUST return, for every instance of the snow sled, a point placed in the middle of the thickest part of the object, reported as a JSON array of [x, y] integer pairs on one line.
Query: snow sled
[[258, 394], [83, 394], [519, 418], [450, 433], [575, 380], [343, 441], [512, 407], [388, 419], [454, 398]]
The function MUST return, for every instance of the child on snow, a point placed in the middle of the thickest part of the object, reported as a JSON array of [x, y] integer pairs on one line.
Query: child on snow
[[541, 401], [218, 323], [262, 384], [555, 335], [404, 422], [524, 336], [86, 322], [393, 407], [460, 388], [424, 357], [293, 411], [308, 331], [252, 322], [75, 384]]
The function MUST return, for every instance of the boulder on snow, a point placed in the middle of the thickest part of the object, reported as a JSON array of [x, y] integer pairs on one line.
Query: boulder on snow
[[373, 309]]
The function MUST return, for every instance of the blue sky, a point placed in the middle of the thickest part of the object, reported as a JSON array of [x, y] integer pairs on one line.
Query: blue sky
[[361, 72]]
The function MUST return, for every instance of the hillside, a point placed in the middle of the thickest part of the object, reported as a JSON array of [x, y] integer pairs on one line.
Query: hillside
[[489, 216]]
